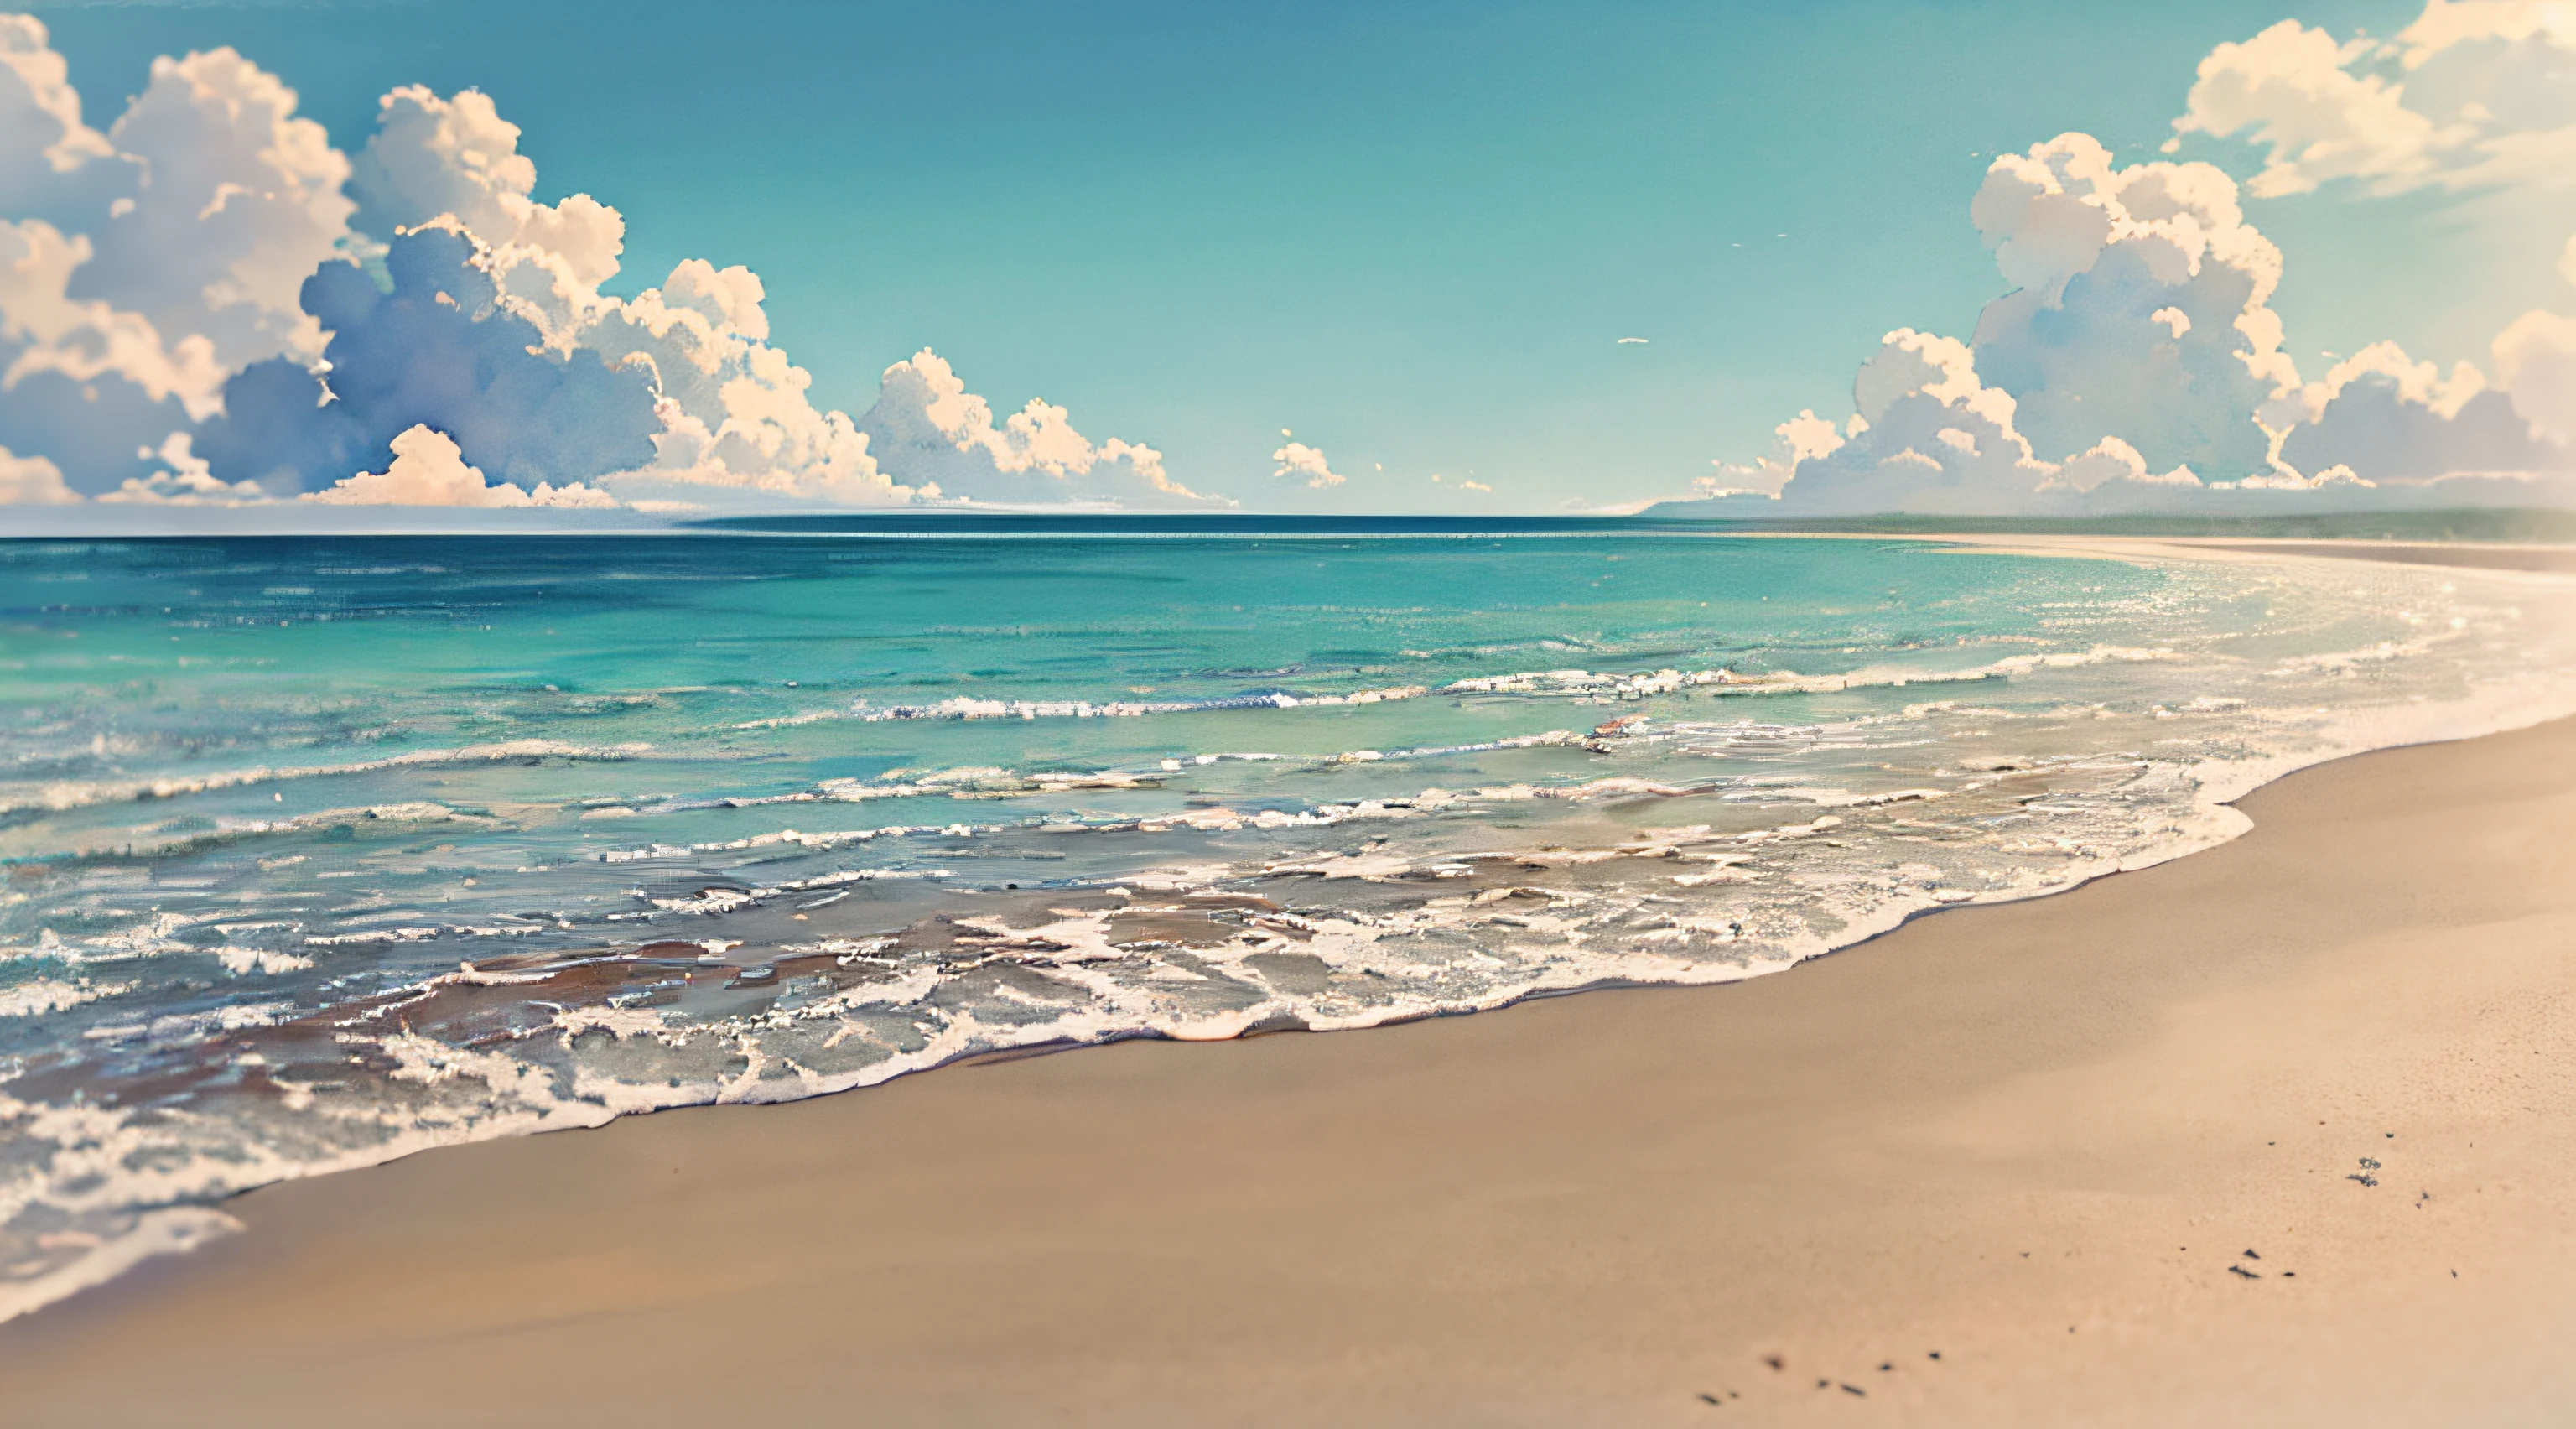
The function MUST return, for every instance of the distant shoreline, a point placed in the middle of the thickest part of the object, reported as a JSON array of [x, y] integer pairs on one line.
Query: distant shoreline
[[2473, 526]]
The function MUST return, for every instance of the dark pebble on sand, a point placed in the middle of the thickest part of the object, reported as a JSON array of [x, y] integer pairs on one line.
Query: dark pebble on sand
[[1855, 1389]]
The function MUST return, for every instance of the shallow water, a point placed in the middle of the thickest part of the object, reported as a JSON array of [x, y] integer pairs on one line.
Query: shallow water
[[321, 851]]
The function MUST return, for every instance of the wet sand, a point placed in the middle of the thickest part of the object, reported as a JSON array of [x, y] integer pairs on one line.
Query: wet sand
[[2041, 1140], [2496, 557]]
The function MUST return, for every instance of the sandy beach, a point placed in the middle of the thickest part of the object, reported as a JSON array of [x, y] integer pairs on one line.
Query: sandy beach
[[1888, 739], [2275, 1134]]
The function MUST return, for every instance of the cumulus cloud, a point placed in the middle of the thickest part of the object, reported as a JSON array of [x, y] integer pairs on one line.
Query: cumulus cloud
[[735, 411], [242, 201], [141, 265], [52, 166], [458, 158], [2536, 363], [2386, 417], [177, 476], [726, 409], [210, 267], [82, 384], [440, 350], [2135, 363], [1928, 436], [2139, 307], [1801, 438], [32, 480], [1931, 437], [428, 469], [48, 330], [729, 409], [929, 430], [2471, 94], [1300, 462]]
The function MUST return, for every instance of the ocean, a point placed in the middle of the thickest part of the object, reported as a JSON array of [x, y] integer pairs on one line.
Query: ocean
[[325, 850]]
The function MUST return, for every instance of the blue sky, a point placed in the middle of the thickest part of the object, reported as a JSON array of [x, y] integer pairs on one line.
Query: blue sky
[[1413, 234]]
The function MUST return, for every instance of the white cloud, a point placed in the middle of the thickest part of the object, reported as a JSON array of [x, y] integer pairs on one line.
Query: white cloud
[[429, 469], [154, 283], [182, 479], [2137, 359], [243, 201], [2135, 363], [2387, 417], [2473, 93], [928, 430], [433, 158], [1801, 438], [2139, 307], [2421, 383], [32, 480], [142, 266], [1931, 438], [52, 165], [1300, 462], [731, 410], [2110, 460], [43, 329], [2536, 364], [436, 345], [1928, 437], [2296, 91], [735, 411]]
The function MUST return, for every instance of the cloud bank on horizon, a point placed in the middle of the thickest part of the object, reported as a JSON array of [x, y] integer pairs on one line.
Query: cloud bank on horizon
[[2134, 363], [210, 303]]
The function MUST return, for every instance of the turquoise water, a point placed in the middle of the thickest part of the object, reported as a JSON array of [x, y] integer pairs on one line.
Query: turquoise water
[[320, 851]]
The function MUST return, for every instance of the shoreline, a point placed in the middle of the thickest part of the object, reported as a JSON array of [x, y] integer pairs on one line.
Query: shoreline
[[2493, 558], [1577, 1209], [95, 1318]]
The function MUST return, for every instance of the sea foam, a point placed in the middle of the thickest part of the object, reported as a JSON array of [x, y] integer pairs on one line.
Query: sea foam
[[496, 937]]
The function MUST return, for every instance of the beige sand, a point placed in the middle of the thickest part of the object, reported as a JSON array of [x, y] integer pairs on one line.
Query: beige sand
[[2032, 1138]]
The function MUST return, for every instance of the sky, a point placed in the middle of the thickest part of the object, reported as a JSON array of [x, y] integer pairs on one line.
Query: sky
[[1410, 240]]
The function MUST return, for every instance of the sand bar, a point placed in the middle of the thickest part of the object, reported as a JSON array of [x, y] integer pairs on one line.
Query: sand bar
[[2039, 1139]]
